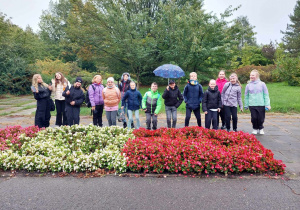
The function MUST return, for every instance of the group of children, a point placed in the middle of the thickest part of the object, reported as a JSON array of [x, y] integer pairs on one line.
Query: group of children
[[219, 100]]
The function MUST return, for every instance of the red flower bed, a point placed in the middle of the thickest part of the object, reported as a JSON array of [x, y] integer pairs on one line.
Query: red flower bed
[[196, 150], [9, 136]]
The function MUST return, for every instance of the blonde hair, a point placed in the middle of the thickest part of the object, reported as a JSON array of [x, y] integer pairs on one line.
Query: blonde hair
[[35, 82], [193, 73], [257, 73], [224, 73], [95, 77], [237, 78], [212, 80]]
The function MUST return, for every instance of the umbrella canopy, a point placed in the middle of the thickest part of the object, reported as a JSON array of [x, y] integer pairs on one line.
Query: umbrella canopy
[[169, 71]]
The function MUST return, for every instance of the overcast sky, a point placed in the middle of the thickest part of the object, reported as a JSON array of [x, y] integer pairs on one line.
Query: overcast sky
[[268, 16]]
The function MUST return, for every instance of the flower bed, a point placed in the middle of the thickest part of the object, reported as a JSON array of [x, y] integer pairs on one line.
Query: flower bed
[[75, 148], [9, 136], [197, 150]]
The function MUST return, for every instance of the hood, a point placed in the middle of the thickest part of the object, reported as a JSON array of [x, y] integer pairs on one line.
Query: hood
[[132, 89], [214, 90], [255, 82], [122, 77]]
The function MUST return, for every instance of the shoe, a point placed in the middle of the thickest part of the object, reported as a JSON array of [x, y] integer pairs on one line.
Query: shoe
[[261, 132], [132, 125], [223, 127], [228, 130], [254, 131], [124, 125], [234, 130]]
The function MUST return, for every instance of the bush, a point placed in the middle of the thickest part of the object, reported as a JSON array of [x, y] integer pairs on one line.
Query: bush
[[265, 72], [196, 150], [288, 69]]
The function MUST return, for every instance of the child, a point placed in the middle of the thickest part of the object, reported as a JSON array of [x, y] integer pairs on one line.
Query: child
[[193, 94], [220, 83], [211, 105], [59, 84], [152, 105], [74, 98], [96, 99], [257, 99], [134, 100], [173, 99], [41, 92], [123, 87], [111, 96], [231, 96]]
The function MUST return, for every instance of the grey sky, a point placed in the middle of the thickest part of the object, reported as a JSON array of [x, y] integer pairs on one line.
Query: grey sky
[[268, 16]]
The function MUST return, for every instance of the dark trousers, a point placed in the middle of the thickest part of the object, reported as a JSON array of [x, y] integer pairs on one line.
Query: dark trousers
[[231, 111], [258, 114], [61, 117], [97, 115], [148, 121], [73, 114], [211, 118], [42, 114], [222, 115], [188, 113]]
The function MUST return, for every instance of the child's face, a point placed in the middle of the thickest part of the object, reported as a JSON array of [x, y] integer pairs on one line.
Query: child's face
[[233, 79], [39, 79], [77, 84], [221, 75], [58, 76], [253, 76], [98, 80], [193, 76], [212, 85], [172, 85], [125, 77], [154, 87], [110, 83], [132, 86]]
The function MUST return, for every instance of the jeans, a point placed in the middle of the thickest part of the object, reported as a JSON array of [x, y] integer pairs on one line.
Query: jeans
[[188, 113], [130, 118], [97, 115], [171, 112], [211, 118], [125, 109], [231, 111], [61, 117], [111, 117], [258, 114], [148, 121]]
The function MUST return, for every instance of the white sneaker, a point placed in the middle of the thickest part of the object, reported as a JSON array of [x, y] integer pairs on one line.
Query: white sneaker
[[254, 132], [261, 132]]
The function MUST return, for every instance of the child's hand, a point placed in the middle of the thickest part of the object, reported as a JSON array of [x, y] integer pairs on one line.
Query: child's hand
[[145, 109], [269, 107], [68, 92], [72, 103], [219, 109], [241, 109], [49, 87], [167, 88], [93, 108], [205, 112], [122, 107], [155, 114]]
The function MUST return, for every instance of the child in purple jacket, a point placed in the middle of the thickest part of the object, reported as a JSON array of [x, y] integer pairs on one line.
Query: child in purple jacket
[[231, 96], [96, 99]]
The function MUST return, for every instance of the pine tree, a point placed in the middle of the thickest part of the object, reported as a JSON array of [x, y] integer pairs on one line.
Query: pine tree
[[291, 37]]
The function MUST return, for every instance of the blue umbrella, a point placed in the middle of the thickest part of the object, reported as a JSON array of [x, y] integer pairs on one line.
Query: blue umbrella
[[169, 71]]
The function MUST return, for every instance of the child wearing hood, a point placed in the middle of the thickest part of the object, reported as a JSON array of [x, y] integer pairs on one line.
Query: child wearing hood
[[111, 96], [211, 105], [134, 101], [74, 97], [221, 81], [258, 101], [193, 94], [151, 105], [124, 86]]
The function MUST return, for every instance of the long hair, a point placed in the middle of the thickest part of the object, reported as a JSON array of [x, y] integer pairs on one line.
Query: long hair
[[224, 74], [237, 79], [35, 82], [95, 77], [62, 79], [257, 73]]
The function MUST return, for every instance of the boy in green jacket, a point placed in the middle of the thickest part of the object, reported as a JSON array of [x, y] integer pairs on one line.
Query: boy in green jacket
[[151, 105]]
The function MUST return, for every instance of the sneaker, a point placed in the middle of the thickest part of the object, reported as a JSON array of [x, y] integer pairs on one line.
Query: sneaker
[[261, 132], [223, 127], [254, 131], [124, 125], [228, 130], [235, 130]]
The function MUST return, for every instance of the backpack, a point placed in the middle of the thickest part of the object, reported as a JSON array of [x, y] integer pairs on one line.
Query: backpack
[[87, 98]]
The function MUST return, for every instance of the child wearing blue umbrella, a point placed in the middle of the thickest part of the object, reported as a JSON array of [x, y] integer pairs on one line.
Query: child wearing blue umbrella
[[193, 94]]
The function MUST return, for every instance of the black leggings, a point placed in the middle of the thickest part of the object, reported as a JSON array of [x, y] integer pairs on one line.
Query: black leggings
[[97, 115], [61, 117], [231, 111], [188, 113], [258, 114]]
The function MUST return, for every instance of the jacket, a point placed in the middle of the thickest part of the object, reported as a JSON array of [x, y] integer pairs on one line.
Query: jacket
[[134, 99], [256, 94], [96, 95], [231, 95], [43, 93], [211, 99], [193, 95], [76, 94], [58, 90], [173, 97], [152, 102], [111, 96], [220, 83], [124, 86]]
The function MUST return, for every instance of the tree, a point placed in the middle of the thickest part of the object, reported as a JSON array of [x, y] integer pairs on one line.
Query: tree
[[291, 37], [268, 52]]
